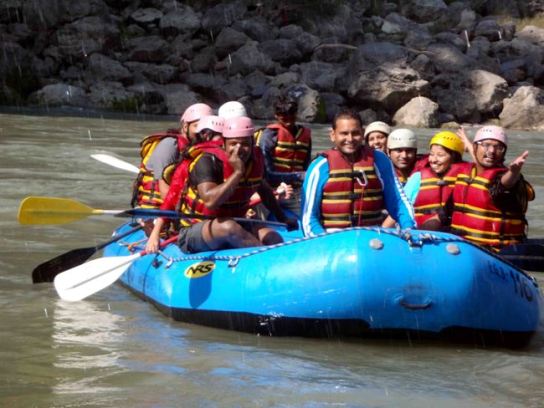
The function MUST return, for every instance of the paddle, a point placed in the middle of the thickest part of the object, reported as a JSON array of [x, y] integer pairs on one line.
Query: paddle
[[528, 255], [48, 270], [115, 162], [150, 212], [52, 210], [91, 277]]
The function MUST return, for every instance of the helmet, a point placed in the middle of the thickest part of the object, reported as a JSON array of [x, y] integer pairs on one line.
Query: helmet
[[491, 132], [212, 122], [231, 109], [378, 127], [195, 112], [402, 138], [238, 127], [449, 140]]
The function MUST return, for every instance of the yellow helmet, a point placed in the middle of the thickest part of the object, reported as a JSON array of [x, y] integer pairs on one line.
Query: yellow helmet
[[448, 140]]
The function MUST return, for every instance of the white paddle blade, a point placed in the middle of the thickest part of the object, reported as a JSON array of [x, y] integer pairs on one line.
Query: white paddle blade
[[115, 162], [91, 277]]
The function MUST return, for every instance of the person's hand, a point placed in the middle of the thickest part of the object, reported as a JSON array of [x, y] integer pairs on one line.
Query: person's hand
[[235, 161], [516, 164], [284, 191], [463, 136], [152, 245]]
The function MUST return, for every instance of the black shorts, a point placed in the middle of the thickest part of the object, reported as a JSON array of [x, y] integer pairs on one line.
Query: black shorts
[[190, 239]]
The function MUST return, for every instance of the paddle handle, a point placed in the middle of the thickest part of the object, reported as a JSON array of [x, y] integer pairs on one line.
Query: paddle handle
[[118, 237]]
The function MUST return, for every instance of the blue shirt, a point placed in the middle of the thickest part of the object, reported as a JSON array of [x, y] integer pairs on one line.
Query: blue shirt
[[317, 176]]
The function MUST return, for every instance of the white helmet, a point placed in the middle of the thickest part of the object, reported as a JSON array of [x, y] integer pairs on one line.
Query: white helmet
[[231, 109], [402, 139]]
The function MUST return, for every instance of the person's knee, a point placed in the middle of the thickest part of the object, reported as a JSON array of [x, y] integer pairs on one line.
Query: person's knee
[[271, 237], [226, 228]]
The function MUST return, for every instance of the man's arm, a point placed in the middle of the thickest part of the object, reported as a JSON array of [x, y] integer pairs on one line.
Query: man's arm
[[312, 194], [396, 203]]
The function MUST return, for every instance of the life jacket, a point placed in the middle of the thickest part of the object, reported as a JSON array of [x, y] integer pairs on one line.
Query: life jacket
[[237, 204], [476, 217], [434, 192], [145, 191], [291, 151], [353, 194]]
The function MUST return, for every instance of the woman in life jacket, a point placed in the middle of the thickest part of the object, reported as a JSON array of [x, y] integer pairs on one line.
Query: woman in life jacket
[[430, 188]]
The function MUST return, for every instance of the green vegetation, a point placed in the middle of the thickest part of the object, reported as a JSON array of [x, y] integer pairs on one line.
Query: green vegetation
[[127, 105]]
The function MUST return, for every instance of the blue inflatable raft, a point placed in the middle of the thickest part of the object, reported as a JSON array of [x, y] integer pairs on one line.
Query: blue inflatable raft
[[354, 282]]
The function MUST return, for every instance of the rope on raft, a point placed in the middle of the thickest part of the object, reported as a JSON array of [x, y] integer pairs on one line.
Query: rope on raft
[[414, 240]]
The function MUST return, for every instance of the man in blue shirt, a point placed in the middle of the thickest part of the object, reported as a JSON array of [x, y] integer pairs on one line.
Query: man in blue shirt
[[351, 184]]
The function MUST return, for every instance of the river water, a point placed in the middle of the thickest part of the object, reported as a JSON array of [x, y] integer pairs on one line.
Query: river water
[[115, 350]]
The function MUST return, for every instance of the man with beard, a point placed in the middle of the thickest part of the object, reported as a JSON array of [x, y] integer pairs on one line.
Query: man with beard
[[490, 199]]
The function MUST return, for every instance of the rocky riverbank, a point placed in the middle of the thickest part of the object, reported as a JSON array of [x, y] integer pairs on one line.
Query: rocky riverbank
[[419, 63]]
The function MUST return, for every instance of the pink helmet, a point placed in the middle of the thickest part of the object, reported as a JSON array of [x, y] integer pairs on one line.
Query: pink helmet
[[491, 132], [238, 127], [211, 122], [195, 112]]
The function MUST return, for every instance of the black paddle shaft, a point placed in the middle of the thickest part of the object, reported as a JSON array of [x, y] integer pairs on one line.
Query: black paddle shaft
[[46, 272]]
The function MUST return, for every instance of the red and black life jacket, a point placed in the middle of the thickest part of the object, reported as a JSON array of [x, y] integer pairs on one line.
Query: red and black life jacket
[[190, 203], [475, 215], [291, 151], [434, 192], [353, 194], [146, 193]]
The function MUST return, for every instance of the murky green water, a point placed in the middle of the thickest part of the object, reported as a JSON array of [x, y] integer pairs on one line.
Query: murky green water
[[115, 350]]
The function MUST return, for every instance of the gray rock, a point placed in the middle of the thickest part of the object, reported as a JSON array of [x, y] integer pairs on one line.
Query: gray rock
[[489, 28], [448, 58], [223, 15], [308, 102], [248, 59], [322, 76], [285, 80], [229, 40], [257, 83], [389, 86], [534, 35], [524, 110], [257, 28], [423, 11], [148, 49], [282, 50], [158, 73], [419, 112], [209, 86], [331, 52], [86, 36], [489, 90], [146, 16], [234, 89], [332, 103], [180, 21], [105, 68], [204, 61], [110, 95], [60, 95]]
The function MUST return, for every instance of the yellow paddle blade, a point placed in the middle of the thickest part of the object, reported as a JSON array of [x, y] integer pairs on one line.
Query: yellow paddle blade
[[52, 210]]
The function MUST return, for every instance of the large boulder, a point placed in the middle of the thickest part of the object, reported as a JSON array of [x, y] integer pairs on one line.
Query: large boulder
[[60, 95], [389, 86], [419, 112], [524, 110], [86, 36], [151, 48], [489, 90], [282, 50], [229, 40], [424, 11], [182, 20], [108, 69], [248, 59]]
